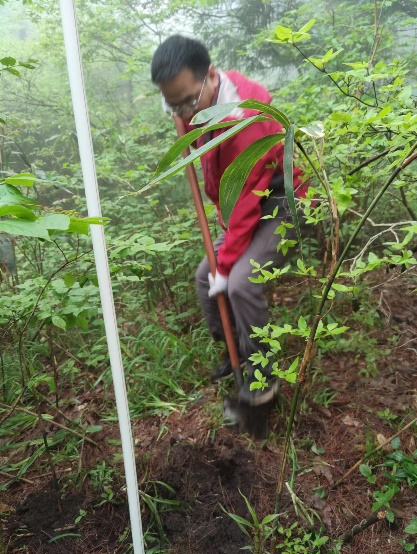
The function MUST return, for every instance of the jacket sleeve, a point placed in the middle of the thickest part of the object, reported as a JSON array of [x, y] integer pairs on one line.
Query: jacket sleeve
[[247, 212]]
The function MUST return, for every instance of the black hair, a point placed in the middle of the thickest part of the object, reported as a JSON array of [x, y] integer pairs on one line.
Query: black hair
[[177, 53]]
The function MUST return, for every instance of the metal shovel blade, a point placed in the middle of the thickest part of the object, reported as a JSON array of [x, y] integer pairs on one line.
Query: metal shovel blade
[[249, 419]]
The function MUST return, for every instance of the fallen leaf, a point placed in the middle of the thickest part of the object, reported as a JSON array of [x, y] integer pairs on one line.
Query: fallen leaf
[[5, 508], [380, 438], [348, 420], [322, 468], [323, 510]]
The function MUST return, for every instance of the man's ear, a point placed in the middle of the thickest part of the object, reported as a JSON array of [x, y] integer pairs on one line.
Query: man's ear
[[212, 72]]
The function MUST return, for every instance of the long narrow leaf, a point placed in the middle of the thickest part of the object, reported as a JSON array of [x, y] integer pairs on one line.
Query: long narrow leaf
[[200, 151], [289, 177], [251, 510], [215, 114], [235, 176], [184, 142], [279, 116]]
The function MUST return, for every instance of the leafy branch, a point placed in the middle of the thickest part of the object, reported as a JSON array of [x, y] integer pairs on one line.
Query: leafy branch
[[309, 350]]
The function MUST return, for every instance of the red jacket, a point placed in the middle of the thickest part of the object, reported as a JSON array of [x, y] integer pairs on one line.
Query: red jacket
[[247, 212]]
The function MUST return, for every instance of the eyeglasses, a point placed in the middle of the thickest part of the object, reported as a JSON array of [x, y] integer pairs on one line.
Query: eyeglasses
[[185, 107]]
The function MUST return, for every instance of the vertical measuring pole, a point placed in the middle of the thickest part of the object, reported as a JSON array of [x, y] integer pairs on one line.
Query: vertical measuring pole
[[79, 100]]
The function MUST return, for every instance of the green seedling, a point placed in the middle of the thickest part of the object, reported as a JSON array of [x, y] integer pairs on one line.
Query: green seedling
[[257, 531]]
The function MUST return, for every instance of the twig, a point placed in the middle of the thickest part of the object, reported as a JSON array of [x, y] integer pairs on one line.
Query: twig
[[25, 326], [369, 161], [407, 205], [389, 229], [17, 478], [364, 524], [53, 422], [352, 469]]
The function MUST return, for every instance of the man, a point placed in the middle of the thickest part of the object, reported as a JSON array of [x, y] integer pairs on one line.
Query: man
[[189, 82]]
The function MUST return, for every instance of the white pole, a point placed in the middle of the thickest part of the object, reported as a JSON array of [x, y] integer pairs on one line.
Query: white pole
[[79, 100]]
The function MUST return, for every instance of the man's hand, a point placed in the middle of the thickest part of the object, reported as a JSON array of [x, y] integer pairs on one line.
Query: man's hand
[[217, 284]]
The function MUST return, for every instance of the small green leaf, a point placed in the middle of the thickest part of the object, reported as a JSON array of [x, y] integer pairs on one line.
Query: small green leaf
[[365, 470], [13, 71], [82, 225], [27, 65], [302, 323], [59, 322], [69, 280], [396, 443], [268, 519], [282, 34], [8, 61], [316, 450], [307, 26], [411, 528], [390, 516], [94, 429]]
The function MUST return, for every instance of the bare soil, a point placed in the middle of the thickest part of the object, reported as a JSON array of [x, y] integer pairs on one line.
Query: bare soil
[[209, 466]]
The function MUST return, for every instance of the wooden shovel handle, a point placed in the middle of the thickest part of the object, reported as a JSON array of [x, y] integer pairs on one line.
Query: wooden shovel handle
[[211, 256]]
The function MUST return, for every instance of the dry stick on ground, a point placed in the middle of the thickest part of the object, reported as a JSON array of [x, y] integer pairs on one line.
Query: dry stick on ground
[[309, 351], [364, 524], [17, 478], [352, 469], [53, 422]]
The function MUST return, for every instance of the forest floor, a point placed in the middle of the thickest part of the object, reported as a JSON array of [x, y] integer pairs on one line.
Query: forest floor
[[189, 457]]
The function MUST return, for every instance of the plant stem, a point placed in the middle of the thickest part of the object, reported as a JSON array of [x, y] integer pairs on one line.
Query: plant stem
[[309, 351], [364, 524]]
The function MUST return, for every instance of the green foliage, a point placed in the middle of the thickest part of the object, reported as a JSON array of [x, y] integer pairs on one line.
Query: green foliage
[[295, 539], [347, 98], [257, 531], [402, 469]]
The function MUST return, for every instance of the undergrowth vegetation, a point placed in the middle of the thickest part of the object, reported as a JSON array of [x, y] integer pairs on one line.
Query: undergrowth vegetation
[[349, 100]]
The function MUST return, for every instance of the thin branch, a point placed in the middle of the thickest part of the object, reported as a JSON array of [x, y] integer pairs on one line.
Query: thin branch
[[52, 422], [388, 441], [407, 205], [344, 92], [369, 161], [364, 524], [25, 326]]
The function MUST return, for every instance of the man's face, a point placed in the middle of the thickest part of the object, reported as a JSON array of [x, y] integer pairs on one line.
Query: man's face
[[187, 95]]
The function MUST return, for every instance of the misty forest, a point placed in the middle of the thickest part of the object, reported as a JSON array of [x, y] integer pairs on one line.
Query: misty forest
[[337, 468]]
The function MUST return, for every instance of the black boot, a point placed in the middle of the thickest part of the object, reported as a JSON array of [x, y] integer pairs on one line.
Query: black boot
[[222, 371]]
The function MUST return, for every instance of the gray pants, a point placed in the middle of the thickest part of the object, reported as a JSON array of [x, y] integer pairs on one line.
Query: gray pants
[[247, 302]]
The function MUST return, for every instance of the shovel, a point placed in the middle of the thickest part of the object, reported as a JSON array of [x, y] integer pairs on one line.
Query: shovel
[[250, 419]]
